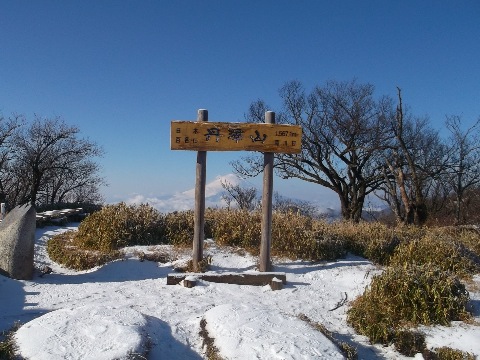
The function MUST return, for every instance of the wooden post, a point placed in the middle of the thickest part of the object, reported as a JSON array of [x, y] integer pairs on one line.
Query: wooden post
[[267, 203], [199, 221]]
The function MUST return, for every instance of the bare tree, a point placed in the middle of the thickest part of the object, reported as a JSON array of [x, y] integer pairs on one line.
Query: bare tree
[[344, 132], [61, 185], [48, 149], [414, 163], [246, 198], [464, 156], [7, 131], [285, 205], [16, 184]]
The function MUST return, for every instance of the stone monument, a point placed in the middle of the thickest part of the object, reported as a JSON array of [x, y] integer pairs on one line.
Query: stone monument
[[17, 239]]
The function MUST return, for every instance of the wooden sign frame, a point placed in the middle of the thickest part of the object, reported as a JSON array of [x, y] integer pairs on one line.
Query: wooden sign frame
[[203, 136]]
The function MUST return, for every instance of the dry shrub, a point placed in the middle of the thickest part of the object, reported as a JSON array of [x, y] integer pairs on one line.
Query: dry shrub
[[238, 228], [439, 249], [467, 235], [120, 225], [409, 342], [8, 348], [300, 237], [407, 296], [63, 249], [453, 249], [103, 233], [446, 353], [293, 235], [179, 228], [203, 265], [374, 241]]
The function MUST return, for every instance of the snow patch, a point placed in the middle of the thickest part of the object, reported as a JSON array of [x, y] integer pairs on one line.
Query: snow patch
[[86, 332], [248, 331]]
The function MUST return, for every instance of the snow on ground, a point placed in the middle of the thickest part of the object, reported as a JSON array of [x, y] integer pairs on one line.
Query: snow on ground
[[236, 324], [125, 306], [97, 333]]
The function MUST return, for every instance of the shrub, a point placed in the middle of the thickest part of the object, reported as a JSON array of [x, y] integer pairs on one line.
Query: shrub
[[239, 228], [408, 295], [293, 235], [409, 342], [203, 265], [62, 249], [155, 255], [374, 241], [300, 237], [179, 228], [446, 353], [120, 225], [439, 249], [103, 233], [467, 235], [7, 345]]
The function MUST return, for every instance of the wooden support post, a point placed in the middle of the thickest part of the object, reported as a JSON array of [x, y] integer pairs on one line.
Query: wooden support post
[[199, 221], [266, 239]]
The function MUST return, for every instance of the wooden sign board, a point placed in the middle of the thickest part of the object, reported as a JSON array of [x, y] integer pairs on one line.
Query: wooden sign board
[[223, 136]]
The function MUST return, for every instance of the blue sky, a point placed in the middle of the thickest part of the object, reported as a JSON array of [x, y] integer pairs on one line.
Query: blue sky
[[122, 70]]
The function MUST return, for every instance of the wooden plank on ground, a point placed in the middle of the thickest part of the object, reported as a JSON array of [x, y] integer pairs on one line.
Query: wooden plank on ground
[[258, 279]]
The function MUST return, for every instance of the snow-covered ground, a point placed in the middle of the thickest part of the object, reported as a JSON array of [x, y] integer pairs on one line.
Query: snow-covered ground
[[126, 307]]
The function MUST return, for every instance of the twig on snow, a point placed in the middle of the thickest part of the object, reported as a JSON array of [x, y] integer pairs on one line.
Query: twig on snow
[[340, 303]]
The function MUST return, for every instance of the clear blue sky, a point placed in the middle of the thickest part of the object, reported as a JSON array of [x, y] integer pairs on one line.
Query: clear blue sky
[[122, 70]]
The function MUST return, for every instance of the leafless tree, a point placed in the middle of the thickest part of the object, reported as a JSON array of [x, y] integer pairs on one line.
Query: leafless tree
[[344, 133], [415, 160], [49, 150], [285, 205], [246, 198], [61, 185], [464, 161], [8, 126]]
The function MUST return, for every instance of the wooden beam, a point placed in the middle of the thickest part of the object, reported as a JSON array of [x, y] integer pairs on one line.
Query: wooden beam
[[257, 279]]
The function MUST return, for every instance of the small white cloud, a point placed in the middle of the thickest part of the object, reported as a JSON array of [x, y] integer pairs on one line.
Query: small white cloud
[[186, 199]]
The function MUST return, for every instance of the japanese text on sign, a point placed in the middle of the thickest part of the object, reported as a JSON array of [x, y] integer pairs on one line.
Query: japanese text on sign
[[210, 136]]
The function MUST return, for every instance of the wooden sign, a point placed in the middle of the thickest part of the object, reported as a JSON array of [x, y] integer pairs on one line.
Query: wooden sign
[[223, 136]]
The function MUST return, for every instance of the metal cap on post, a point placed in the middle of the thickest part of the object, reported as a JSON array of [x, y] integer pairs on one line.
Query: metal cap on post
[[199, 220], [267, 194]]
